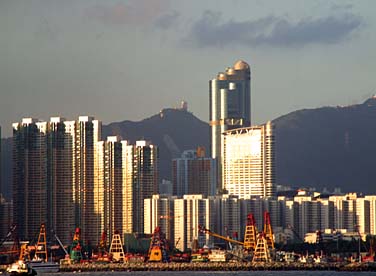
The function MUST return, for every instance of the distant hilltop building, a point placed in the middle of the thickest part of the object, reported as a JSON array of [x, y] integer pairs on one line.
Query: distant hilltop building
[[184, 106], [230, 106]]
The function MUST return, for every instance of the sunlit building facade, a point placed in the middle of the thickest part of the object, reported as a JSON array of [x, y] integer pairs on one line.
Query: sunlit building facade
[[140, 181], [159, 211], [60, 178], [53, 175], [372, 213], [190, 212], [108, 186], [29, 176], [249, 161], [230, 106], [87, 133]]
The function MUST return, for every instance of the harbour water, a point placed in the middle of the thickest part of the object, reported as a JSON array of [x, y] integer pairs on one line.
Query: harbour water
[[216, 273]]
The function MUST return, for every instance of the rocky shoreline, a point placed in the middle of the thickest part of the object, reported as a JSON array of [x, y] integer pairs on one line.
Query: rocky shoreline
[[229, 266]]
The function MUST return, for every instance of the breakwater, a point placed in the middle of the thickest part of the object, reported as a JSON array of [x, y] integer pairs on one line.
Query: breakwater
[[229, 266]]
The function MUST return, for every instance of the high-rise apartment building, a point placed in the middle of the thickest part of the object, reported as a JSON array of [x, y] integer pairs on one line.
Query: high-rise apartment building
[[53, 175], [193, 173], [362, 215], [248, 167], [87, 133], [140, 181], [372, 212], [30, 176], [60, 179], [108, 187], [159, 211], [6, 216], [190, 212], [230, 106], [344, 211]]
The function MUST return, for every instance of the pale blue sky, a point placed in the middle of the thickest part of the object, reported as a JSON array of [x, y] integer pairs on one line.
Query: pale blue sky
[[126, 60]]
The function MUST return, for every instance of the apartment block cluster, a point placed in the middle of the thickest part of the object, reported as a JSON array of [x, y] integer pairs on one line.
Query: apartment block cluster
[[66, 177], [295, 218]]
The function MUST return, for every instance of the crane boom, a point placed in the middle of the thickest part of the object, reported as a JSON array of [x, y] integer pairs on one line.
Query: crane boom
[[207, 231], [9, 234], [61, 244]]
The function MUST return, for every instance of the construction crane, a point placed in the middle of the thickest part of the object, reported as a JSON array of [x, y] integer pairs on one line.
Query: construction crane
[[41, 247], [289, 226], [261, 253], [14, 251], [76, 247], [116, 248], [158, 247], [9, 234], [268, 232], [213, 234], [250, 236], [61, 244]]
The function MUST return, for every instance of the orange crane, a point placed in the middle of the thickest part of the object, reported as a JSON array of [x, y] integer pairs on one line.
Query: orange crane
[[213, 234], [158, 247], [41, 247], [268, 232], [250, 235]]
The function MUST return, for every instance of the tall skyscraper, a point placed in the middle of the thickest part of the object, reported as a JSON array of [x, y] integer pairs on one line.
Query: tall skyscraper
[[193, 173], [29, 176], [249, 161], [87, 133], [230, 106], [108, 186], [140, 181], [60, 179]]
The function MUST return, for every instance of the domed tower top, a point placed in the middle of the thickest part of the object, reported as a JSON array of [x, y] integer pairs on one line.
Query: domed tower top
[[241, 65]]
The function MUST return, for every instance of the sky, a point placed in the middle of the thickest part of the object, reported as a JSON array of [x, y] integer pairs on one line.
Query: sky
[[127, 60]]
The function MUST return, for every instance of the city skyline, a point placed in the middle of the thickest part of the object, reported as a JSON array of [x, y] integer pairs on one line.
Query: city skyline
[[53, 52]]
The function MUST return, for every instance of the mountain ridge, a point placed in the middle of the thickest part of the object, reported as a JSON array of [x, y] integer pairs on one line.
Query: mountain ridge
[[325, 147]]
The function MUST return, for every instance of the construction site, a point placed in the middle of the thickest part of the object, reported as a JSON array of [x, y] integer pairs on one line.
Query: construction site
[[257, 250]]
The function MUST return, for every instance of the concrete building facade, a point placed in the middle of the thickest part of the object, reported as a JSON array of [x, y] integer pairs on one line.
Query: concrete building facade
[[194, 173]]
